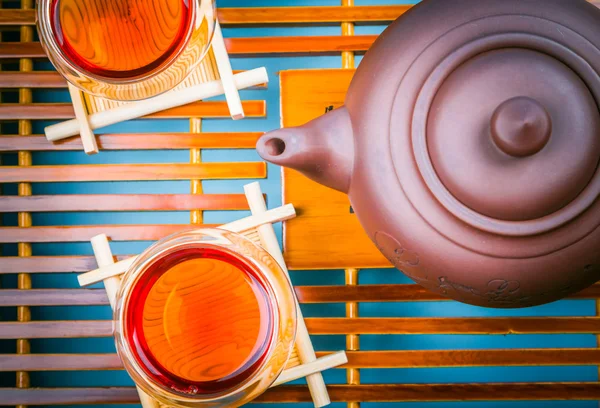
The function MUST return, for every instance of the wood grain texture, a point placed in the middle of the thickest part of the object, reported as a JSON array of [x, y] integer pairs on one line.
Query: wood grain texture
[[16, 17], [451, 325], [13, 50], [320, 326], [49, 79], [86, 232], [337, 239], [261, 15], [124, 202], [39, 79], [50, 264], [208, 109], [356, 359], [136, 141], [298, 15], [472, 358], [441, 392], [338, 393], [305, 294], [53, 297], [271, 15], [298, 45], [391, 293], [117, 172], [239, 46], [56, 329], [60, 362]]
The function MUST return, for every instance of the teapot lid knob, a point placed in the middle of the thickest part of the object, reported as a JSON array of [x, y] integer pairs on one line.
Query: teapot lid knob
[[521, 126]]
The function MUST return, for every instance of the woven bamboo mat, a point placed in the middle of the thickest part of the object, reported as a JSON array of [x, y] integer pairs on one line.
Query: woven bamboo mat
[[187, 166]]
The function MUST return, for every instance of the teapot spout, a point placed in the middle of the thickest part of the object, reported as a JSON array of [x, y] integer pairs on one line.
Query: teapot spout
[[323, 149]]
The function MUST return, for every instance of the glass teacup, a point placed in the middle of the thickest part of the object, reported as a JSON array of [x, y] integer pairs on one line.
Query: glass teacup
[[126, 49]]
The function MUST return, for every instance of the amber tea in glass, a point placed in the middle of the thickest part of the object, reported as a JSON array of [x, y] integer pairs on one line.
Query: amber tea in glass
[[126, 49], [120, 38], [205, 318], [200, 320]]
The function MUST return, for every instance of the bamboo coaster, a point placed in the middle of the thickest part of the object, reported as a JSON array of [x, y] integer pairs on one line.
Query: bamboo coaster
[[213, 77], [259, 228]]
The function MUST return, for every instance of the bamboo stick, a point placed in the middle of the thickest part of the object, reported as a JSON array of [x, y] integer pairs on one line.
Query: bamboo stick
[[152, 105], [304, 346]]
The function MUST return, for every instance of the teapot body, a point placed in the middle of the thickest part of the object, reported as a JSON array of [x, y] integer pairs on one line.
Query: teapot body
[[469, 145]]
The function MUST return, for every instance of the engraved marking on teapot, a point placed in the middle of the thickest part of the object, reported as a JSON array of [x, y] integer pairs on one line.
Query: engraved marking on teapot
[[500, 291], [395, 252]]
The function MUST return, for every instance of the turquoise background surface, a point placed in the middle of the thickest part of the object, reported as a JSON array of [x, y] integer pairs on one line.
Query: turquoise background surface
[[271, 186]]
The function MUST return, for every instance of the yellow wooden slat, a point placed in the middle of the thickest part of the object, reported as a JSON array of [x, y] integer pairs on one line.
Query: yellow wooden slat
[[24, 189]]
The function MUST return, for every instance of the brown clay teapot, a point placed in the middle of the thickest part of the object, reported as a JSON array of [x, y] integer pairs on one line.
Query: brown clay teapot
[[469, 145]]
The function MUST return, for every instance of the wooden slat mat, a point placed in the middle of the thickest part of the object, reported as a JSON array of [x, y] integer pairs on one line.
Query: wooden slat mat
[[337, 241]]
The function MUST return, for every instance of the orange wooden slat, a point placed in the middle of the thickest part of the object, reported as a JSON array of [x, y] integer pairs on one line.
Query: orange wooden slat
[[12, 50], [410, 325], [50, 264], [268, 15], [85, 233], [124, 202], [297, 15], [117, 172], [203, 109], [440, 392], [240, 46], [391, 293], [471, 358], [338, 393], [298, 45], [454, 325], [136, 141], [265, 15], [16, 17], [356, 359]]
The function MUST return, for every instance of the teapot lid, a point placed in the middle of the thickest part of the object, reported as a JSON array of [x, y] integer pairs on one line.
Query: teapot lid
[[494, 112], [513, 134]]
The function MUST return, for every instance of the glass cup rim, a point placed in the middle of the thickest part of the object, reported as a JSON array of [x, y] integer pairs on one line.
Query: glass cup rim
[[141, 265]]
